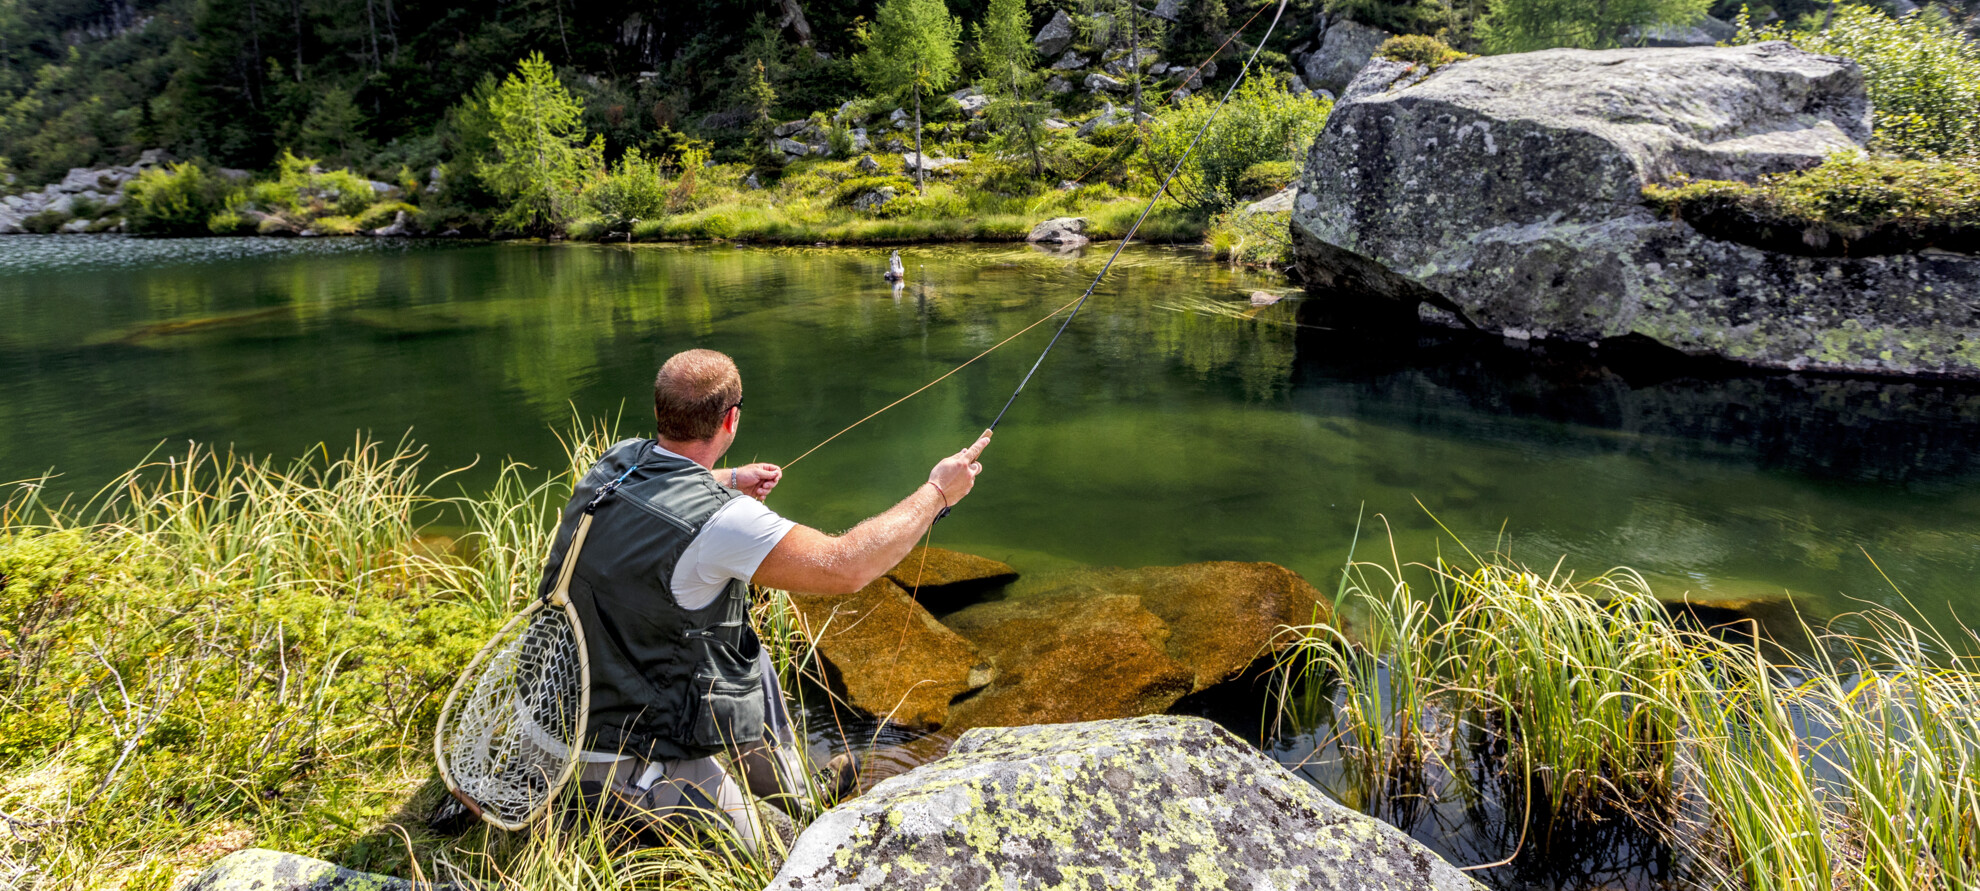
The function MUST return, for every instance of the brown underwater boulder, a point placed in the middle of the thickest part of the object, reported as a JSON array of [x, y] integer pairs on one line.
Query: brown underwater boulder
[[886, 655], [1093, 644], [944, 580]]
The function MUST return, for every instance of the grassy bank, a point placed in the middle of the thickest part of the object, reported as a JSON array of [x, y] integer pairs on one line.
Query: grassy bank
[[1578, 703], [220, 651], [223, 652]]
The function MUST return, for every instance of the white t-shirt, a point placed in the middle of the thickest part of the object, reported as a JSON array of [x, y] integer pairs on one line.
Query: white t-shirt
[[731, 545]]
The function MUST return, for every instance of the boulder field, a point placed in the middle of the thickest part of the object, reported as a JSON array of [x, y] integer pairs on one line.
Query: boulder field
[[1506, 194]]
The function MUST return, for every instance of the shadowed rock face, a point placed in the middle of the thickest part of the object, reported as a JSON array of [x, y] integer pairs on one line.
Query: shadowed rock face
[[1505, 194], [1143, 803]]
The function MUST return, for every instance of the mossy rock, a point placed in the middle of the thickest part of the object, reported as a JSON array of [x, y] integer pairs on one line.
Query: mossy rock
[[1157, 802]]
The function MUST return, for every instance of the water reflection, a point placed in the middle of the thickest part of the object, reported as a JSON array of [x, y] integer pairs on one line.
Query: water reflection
[[1175, 422]]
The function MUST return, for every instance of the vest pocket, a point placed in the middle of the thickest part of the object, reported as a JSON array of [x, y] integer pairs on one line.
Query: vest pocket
[[725, 699]]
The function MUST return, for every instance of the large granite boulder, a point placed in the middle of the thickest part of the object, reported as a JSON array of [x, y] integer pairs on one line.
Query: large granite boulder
[[1344, 48], [1161, 802], [1055, 36], [1505, 194], [259, 869]]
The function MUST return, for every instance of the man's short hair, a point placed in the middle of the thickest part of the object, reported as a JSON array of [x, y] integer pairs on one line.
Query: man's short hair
[[692, 393]]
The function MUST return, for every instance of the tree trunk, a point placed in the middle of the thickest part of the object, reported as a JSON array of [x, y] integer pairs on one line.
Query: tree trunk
[[794, 19], [295, 9], [920, 160], [392, 29], [1134, 54], [371, 19], [558, 5], [254, 39], [1024, 118]]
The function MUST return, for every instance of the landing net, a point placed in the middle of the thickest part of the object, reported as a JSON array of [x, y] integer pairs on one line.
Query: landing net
[[509, 743]]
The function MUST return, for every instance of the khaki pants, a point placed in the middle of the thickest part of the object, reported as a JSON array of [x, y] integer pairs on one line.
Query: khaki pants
[[707, 789]]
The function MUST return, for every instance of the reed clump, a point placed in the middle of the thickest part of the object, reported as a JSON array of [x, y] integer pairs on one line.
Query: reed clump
[[220, 651], [1854, 763]]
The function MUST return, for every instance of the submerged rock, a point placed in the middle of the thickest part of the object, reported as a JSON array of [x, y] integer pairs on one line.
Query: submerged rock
[[887, 656], [1505, 194], [1115, 643], [259, 869], [1143, 803]]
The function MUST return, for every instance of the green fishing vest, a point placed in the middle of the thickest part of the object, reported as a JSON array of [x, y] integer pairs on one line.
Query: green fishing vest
[[666, 682]]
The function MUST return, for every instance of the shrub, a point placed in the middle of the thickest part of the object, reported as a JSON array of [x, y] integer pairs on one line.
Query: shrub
[[1264, 122], [1922, 74], [1518, 26], [1418, 49], [383, 213], [851, 189], [634, 190], [302, 187], [176, 199], [1264, 178], [1851, 205], [1251, 239], [229, 222], [335, 226], [46, 222]]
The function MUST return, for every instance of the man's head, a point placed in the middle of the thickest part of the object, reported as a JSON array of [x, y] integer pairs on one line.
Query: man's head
[[696, 396]]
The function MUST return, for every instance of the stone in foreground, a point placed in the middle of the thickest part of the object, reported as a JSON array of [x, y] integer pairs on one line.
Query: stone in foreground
[[259, 869], [1157, 802], [1506, 194]]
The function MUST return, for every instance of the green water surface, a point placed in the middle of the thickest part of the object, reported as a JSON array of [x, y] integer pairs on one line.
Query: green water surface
[[1174, 423]]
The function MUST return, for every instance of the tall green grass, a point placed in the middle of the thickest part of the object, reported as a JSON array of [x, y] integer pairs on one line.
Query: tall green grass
[[220, 650], [1852, 764]]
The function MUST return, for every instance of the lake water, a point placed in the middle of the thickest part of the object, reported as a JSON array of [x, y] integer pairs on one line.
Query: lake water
[[1174, 423]]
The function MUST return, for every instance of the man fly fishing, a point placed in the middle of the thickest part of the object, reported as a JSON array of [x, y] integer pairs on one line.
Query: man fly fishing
[[685, 709]]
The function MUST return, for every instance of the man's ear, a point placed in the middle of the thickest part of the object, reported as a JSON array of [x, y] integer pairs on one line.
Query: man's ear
[[730, 419]]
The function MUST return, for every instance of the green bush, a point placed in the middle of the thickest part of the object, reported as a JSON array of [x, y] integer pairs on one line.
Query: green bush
[[46, 222], [851, 189], [1264, 122], [229, 222], [634, 190], [1264, 178], [176, 199], [1418, 49], [334, 225], [383, 213], [1518, 26], [1849, 206], [1251, 239], [302, 187], [1922, 74]]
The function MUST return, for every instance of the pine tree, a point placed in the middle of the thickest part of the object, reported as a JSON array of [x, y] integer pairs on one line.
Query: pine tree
[[762, 98], [541, 155], [334, 129], [1010, 75], [911, 48]]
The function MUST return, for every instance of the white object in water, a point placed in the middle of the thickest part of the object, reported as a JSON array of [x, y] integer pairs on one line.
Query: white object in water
[[895, 271]]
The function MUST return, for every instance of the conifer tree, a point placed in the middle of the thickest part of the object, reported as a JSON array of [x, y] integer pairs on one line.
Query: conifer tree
[[762, 98], [541, 154], [911, 47], [1010, 75]]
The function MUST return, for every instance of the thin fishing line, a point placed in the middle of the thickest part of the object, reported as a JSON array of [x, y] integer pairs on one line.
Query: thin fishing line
[[1180, 160]]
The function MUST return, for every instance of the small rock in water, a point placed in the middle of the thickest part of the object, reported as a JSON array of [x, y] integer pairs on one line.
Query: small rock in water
[[1059, 230], [1260, 298]]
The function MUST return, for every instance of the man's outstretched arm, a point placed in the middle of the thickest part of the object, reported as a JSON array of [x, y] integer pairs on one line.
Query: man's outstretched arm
[[808, 561]]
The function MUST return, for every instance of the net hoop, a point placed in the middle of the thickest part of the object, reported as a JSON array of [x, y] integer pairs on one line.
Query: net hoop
[[477, 667]]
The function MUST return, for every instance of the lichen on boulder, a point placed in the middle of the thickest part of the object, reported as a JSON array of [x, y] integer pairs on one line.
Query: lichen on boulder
[[1156, 802], [259, 869]]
